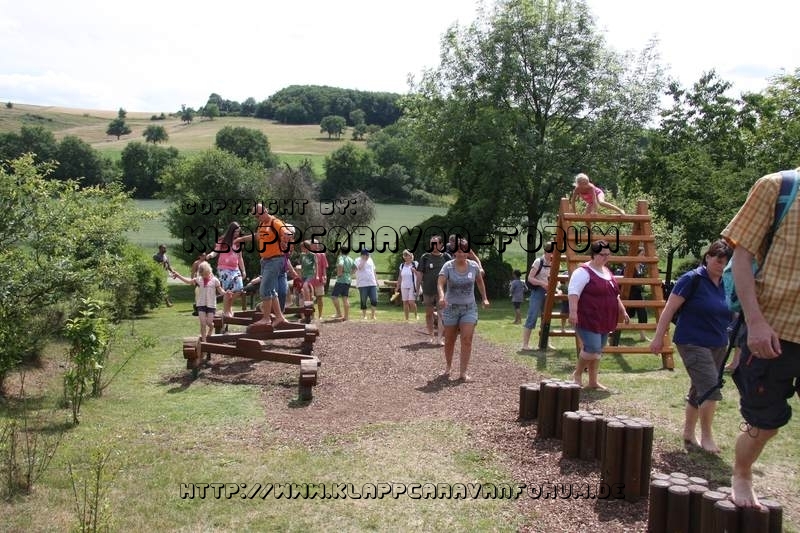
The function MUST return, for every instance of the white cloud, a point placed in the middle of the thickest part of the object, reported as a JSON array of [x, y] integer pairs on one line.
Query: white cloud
[[155, 55]]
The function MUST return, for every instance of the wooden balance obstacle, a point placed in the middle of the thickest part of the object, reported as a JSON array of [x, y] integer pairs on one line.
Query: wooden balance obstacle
[[245, 318], [252, 345], [682, 503]]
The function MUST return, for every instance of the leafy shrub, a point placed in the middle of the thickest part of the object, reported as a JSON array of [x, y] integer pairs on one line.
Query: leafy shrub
[[139, 284]]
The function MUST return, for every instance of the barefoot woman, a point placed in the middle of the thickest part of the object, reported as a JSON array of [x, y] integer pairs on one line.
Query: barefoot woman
[[457, 281], [701, 337], [594, 308]]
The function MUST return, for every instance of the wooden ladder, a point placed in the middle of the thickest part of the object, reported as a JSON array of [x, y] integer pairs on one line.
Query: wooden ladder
[[624, 233]]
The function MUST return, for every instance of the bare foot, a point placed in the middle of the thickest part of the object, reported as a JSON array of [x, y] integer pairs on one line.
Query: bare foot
[[577, 378], [278, 322], [465, 378], [743, 495], [709, 445], [690, 442], [596, 386]]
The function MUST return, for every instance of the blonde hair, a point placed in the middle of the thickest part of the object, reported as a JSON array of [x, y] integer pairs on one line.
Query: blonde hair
[[581, 177], [407, 253], [204, 269]]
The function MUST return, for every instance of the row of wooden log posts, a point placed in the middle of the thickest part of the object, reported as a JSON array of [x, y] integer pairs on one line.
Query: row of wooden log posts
[[624, 446], [682, 503]]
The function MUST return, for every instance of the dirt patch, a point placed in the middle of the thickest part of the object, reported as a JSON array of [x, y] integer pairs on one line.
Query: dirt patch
[[374, 373]]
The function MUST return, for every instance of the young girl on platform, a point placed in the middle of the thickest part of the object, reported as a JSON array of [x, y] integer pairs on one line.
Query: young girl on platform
[[591, 194]]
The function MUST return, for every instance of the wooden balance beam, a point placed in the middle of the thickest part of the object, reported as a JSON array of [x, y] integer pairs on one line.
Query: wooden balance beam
[[240, 345], [245, 318]]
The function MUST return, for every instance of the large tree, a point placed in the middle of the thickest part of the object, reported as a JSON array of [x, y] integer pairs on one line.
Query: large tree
[[524, 98], [155, 134], [207, 192], [79, 161], [250, 144], [333, 125], [118, 127], [347, 169], [695, 164], [773, 124], [142, 165], [30, 139]]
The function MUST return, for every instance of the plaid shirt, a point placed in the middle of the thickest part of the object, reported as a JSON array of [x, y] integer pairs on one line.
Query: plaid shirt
[[778, 283]]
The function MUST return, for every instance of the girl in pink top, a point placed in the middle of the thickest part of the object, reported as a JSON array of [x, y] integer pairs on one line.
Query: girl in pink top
[[591, 194], [230, 265]]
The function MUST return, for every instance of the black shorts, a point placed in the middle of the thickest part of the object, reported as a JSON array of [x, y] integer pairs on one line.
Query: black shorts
[[340, 290], [765, 385]]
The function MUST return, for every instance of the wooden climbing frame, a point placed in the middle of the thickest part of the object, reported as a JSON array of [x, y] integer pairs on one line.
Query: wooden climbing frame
[[575, 234]]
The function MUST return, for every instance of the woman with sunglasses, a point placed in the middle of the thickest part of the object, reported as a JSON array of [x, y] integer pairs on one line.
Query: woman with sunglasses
[[594, 309], [230, 265]]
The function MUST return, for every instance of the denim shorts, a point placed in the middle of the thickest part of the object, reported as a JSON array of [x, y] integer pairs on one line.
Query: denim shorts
[[456, 314], [271, 272], [592, 342]]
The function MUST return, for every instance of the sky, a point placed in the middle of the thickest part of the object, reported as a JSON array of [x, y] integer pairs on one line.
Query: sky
[[156, 55]]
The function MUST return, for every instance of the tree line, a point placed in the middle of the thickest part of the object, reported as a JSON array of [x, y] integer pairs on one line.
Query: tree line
[[531, 94], [305, 104]]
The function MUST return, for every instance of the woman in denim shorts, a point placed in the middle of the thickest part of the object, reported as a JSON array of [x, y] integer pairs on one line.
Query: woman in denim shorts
[[459, 312], [594, 309]]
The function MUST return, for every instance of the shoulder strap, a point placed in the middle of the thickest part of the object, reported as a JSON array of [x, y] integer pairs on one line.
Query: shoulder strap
[[541, 265], [693, 285], [786, 195]]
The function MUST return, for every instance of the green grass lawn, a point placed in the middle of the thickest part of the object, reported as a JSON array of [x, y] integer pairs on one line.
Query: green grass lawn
[[160, 434]]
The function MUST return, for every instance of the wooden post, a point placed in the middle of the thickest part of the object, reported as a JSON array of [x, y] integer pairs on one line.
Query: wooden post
[[611, 468], [726, 517], [754, 519], [657, 512], [570, 435], [695, 506], [632, 461], [548, 401], [710, 497], [563, 404], [588, 438], [528, 401], [677, 508], [647, 455], [775, 515]]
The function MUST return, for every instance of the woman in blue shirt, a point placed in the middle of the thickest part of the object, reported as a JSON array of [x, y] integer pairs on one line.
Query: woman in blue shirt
[[701, 338]]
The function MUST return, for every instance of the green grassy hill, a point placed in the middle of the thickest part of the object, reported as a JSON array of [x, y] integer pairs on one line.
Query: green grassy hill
[[290, 142]]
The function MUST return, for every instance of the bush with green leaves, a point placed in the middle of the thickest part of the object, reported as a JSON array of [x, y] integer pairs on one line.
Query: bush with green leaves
[[57, 242], [137, 285], [88, 334]]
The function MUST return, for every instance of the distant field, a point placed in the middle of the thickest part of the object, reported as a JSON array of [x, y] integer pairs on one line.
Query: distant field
[[291, 143]]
